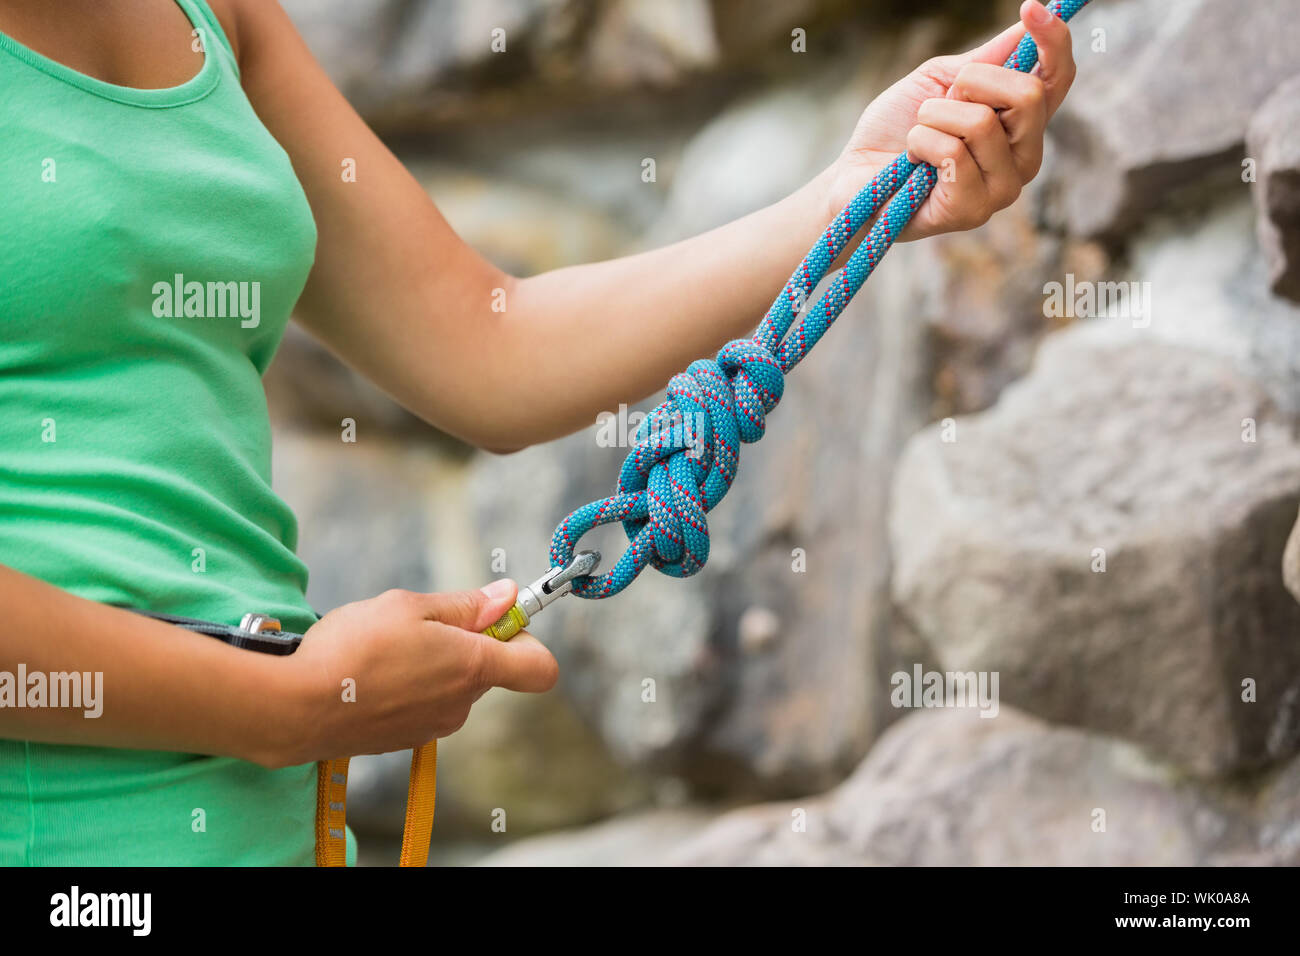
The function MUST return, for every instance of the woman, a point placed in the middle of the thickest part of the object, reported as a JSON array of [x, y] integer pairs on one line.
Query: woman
[[179, 177]]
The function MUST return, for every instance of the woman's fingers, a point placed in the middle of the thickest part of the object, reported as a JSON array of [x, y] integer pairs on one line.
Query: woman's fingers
[[1055, 53], [1021, 102], [968, 204], [522, 664], [979, 128]]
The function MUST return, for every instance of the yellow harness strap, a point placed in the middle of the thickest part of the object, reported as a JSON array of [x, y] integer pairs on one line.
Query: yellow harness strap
[[417, 831], [331, 812], [331, 809]]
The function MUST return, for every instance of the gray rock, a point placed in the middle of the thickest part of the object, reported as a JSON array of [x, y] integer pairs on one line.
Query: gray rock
[[523, 764], [1278, 836], [1134, 130], [412, 66], [642, 839], [635, 43], [797, 130], [949, 788], [1274, 143], [1208, 290], [526, 763], [990, 318], [529, 228], [1291, 562], [363, 516], [1136, 450], [393, 57], [749, 31]]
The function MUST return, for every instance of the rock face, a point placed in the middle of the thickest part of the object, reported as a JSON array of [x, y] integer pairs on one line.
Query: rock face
[[1142, 460], [393, 58], [951, 789], [411, 66], [1274, 144], [1291, 562], [643, 839], [1208, 290], [948, 788], [989, 316], [1153, 111]]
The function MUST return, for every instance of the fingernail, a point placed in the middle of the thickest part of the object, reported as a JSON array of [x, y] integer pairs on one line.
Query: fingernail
[[1040, 14], [499, 588]]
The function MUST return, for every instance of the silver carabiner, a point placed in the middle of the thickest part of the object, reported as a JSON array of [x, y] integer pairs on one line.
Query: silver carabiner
[[550, 587]]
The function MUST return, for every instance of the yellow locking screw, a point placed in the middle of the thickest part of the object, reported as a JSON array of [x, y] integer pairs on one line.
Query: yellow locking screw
[[552, 585]]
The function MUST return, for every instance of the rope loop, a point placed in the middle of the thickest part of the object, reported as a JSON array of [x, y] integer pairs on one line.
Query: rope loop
[[687, 450], [682, 464]]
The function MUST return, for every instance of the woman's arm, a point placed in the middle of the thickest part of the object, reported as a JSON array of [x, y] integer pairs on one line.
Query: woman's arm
[[162, 687], [400, 297], [416, 661]]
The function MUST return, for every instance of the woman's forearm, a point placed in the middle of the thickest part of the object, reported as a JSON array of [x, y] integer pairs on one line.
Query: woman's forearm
[[144, 684], [587, 338]]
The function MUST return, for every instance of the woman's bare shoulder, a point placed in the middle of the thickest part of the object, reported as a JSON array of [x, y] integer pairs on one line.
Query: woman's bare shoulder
[[229, 14], [254, 27]]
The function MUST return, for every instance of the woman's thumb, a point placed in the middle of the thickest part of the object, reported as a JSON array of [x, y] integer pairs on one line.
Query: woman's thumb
[[472, 610]]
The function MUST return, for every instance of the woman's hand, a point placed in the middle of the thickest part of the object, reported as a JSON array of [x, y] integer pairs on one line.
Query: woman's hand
[[401, 669], [979, 124]]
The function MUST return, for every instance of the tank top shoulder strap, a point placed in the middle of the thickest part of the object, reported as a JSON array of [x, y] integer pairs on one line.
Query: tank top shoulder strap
[[215, 39]]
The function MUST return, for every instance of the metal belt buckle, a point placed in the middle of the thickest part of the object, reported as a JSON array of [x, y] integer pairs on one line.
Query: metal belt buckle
[[255, 623], [262, 632]]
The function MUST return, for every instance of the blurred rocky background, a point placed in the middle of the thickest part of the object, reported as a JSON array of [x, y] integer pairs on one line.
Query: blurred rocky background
[[1094, 501]]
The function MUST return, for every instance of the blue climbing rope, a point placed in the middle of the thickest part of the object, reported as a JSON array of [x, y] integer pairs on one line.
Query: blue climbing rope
[[687, 449]]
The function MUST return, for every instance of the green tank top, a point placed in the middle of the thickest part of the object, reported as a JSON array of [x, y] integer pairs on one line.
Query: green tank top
[[154, 243]]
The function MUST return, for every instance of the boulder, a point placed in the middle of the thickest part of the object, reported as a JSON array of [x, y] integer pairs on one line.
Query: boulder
[[527, 763], [989, 317], [949, 788], [1274, 145], [413, 66], [1291, 562], [1206, 285], [1277, 838], [365, 509], [638, 839], [1152, 109], [650, 42], [1107, 539], [393, 58]]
